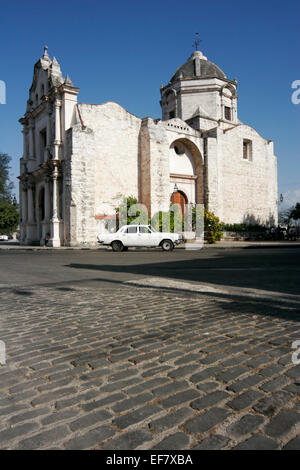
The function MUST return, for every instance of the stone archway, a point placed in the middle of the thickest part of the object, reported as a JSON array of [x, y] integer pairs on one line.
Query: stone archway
[[187, 169]]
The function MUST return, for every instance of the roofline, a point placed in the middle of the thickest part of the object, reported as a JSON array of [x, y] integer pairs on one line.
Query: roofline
[[113, 102], [171, 84]]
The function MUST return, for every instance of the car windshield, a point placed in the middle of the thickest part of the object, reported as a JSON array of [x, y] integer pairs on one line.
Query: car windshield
[[152, 229]]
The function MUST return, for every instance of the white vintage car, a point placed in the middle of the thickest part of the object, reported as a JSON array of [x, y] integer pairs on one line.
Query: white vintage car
[[140, 236], [3, 237]]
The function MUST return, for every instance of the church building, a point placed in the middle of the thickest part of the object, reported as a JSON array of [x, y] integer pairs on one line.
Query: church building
[[79, 158]]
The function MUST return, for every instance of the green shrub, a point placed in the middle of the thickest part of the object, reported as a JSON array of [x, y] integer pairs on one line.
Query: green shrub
[[171, 221], [212, 225], [242, 228]]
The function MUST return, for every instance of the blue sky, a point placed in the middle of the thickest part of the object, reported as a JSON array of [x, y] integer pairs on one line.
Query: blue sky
[[124, 50]]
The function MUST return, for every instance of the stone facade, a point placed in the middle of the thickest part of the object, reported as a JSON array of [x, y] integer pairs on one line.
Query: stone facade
[[80, 159]]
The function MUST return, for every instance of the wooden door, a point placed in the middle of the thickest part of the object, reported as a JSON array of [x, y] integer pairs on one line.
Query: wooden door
[[179, 198]]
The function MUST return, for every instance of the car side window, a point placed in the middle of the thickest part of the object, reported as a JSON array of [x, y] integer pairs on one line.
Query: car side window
[[144, 230], [131, 230]]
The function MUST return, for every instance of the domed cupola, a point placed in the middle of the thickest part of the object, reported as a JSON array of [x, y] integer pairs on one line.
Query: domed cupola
[[197, 66], [199, 89]]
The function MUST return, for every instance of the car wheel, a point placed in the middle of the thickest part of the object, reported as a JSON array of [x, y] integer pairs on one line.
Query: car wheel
[[167, 245], [117, 246]]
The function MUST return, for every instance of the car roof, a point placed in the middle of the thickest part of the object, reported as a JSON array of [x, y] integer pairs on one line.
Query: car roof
[[135, 225]]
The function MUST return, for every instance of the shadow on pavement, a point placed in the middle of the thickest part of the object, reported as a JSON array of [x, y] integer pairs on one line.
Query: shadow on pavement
[[266, 271]]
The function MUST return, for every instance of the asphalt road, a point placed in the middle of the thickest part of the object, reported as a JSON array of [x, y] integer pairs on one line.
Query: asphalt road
[[274, 270]]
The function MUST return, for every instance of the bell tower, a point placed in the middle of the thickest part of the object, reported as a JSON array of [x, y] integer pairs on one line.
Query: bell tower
[[200, 94]]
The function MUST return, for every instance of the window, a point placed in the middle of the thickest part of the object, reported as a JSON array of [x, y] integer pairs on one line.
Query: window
[[132, 229], [247, 149], [145, 230], [43, 142], [227, 113]]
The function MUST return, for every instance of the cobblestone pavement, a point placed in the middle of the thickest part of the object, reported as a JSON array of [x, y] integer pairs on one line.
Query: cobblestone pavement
[[138, 368]]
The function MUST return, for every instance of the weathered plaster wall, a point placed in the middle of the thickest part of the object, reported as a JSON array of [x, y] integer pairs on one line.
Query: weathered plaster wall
[[80, 186], [249, 186]]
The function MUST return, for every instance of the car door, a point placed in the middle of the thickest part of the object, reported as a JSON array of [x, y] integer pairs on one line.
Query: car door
[[131, 238], [122, 235], [144, 236], [148, 237]]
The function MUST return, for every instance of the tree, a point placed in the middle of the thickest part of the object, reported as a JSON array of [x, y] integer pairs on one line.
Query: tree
[[295, 213], [129, 210], [9, 215], [284, 215], [6, 186]]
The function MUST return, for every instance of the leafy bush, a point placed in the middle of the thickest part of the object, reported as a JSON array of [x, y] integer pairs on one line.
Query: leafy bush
[[212, 225], [242, 228], [171, 221]]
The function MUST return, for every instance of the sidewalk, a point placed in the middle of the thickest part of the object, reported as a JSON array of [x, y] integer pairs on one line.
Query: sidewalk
[[230, 244]]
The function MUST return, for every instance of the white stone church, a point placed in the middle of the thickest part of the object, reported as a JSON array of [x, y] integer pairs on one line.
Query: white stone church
[[79, 158]]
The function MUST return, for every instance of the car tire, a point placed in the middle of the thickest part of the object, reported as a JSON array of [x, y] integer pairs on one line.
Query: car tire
[[117, 246], [167, 245]]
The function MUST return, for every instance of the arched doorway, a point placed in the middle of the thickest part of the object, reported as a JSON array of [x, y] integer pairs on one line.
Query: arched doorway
[[187, 170], [178, 197]]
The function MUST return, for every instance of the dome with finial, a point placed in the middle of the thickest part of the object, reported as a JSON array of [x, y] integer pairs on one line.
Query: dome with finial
[[197, 66]]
